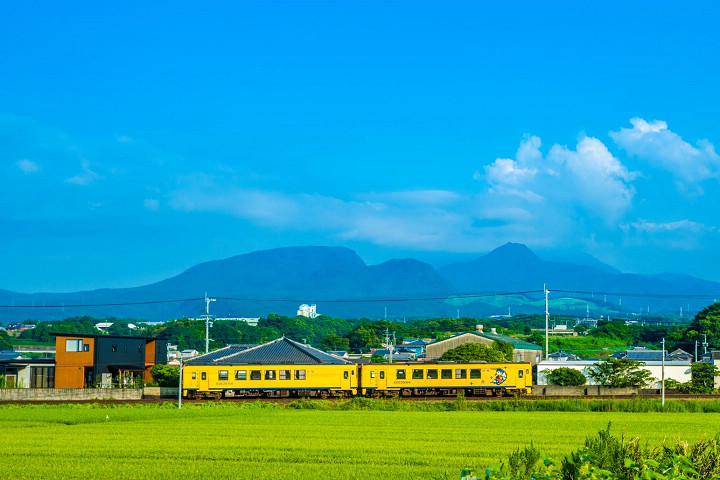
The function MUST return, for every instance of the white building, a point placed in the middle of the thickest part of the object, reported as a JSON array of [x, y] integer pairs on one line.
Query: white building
[[677, 370], [309, 311]]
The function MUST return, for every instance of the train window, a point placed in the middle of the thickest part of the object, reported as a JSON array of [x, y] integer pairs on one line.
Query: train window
[[346, 374], [400, 374], [474, 373], [382, 373], [194, 375], [240, 374], [461, 373], [417, 374], [269, 374], [520, 372], [432, 374], [203, 375], [446, 373], [255, 375], [284, 375], [299, 374], [527, 370], [222, 374]]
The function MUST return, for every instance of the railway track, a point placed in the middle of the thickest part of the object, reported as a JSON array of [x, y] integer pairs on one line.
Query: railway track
[[285, 401]]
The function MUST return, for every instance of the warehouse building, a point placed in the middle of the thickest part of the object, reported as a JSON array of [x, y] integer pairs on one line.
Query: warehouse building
[[522, 351]]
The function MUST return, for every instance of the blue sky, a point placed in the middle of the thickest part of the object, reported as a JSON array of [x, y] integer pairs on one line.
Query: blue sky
[[137, 141]]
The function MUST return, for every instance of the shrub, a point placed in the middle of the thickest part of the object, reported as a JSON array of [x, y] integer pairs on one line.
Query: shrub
[[564, 376]]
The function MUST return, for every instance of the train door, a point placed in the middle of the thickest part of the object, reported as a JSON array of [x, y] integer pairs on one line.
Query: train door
[[348, 378], [204, 381]]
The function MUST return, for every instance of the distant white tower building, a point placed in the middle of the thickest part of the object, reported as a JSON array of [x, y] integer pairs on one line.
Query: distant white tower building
[[309, 311]]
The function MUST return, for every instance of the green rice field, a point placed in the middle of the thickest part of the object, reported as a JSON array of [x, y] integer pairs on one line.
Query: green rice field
[[237, 441]]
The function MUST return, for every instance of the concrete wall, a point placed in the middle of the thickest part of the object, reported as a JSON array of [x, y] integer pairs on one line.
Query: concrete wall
[[589, 390], [59, 394], [160, 392]]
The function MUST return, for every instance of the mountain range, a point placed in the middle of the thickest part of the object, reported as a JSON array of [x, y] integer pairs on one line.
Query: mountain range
[[341, 284]]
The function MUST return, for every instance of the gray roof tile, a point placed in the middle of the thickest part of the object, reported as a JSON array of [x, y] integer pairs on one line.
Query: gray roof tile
[[281, 351]]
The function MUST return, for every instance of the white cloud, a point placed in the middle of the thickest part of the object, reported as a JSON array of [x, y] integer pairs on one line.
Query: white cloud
[[653, 227], [588, 178], [597, 179], [27, 166], [86, 177], [653, 142]]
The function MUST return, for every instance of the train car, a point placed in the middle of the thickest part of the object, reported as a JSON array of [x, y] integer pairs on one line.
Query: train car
[[281, 368], [289, 380], [445, 378]]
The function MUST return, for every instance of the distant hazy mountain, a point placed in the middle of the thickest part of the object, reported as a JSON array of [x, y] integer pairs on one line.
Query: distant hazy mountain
[[278, 280]]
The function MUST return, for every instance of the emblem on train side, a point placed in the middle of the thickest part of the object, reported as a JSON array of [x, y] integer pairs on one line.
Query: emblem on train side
[[499, 377]]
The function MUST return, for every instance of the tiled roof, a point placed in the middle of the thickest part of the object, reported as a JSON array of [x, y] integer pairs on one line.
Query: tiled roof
[[282, 351], [209, 357]]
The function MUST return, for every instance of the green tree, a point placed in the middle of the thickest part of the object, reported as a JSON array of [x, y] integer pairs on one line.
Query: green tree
[[165, 375], [706, 322], [564, 376], [475, 351], [5, 341], [620, 372], [703, 377]]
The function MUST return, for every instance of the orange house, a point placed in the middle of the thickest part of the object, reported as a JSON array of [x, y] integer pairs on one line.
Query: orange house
[[83, 361]]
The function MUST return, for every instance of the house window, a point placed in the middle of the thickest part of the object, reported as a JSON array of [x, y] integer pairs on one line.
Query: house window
[[222, 374], [269, 374], [299, 374], [446, 373], [474, 373], [42, 377], [114, 348], [461, 373], [417, 374], [255, 375], [432, 374], [518, 357], [400, 374], [203, 375], [240, 374], [73, 345]]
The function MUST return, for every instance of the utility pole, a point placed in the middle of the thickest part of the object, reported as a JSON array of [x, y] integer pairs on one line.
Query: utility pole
[[207, 321], [663, 373], [705, 344], [547, 321], [180, 385]]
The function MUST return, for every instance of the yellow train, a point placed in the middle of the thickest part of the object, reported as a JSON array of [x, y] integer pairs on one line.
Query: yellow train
[[289, 380], [445, 378], [285, 368]]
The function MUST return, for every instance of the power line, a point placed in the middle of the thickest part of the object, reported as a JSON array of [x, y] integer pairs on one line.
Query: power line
[[642, 295], [373, 300], [68, 305]]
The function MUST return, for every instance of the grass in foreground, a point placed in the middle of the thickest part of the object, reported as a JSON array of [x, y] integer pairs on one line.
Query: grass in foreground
[[222, 441]]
